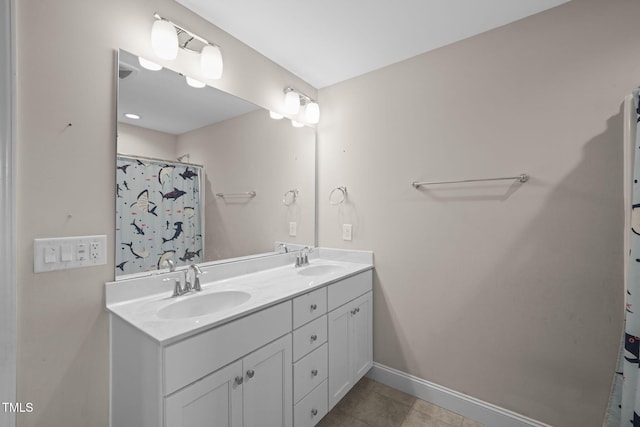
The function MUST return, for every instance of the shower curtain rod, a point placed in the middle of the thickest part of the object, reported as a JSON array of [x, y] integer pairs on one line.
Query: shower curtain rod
[[522, 178], [156, 159]]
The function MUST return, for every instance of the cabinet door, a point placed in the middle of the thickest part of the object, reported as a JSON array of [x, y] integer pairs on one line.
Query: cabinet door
[[350, 345], [267, 388], [340, 379], [214, 401], [362, 336]]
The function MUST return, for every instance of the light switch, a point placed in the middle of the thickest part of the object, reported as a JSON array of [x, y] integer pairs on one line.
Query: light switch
[[81, 251], [293, 229], [50, 255], [66, 252]]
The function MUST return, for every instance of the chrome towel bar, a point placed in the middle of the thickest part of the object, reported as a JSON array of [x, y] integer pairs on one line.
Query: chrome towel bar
[[522, 178], [246, 194]]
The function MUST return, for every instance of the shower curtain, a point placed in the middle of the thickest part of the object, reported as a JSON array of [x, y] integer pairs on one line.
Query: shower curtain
[[624, 407], [158, 214]]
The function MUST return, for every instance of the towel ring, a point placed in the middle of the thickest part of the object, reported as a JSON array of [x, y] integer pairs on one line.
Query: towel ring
[[290, 197], [342, 190]]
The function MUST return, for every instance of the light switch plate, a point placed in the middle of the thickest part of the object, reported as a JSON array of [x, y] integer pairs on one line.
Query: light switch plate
[[347, 232], [293, 229], [62, 253]]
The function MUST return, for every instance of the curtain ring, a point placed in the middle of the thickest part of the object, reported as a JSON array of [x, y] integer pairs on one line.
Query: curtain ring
[[288, 200], [343, 190]]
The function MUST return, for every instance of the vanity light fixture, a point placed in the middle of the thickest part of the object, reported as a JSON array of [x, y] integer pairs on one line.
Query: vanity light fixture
[[164, 39], [312, 112], [291, 101], [294, 99], [167, 37], [194, 83], [211, 62], [149, 65], [275, 116]]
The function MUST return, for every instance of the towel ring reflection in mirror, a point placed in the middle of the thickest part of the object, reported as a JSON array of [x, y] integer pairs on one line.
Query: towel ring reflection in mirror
[[340, 197], [290, 197]]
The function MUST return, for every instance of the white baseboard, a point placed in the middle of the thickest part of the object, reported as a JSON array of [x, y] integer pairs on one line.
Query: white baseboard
[[467, 406]]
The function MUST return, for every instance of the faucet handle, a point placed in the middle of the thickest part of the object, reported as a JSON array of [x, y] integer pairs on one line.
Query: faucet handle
[[177, 289]]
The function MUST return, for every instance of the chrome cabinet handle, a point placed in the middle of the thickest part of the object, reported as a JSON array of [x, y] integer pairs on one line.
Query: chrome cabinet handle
[[239, 380], [250, 373], [314, 412], [314, 373], [314, 337], [354, 311], [314, 307]]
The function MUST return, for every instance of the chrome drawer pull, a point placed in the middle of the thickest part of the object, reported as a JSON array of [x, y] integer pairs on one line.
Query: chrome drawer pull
[[314, 337], [314, 373], [314, 412], [250, 373], [239, 380], [314, 307]]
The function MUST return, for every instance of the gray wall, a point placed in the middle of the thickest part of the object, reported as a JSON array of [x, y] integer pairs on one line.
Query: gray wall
[[511, 294]]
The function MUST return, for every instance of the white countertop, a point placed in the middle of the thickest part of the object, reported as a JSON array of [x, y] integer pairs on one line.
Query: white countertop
[[138, 303]]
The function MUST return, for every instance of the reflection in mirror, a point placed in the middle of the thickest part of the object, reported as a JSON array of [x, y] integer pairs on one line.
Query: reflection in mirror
[[215, 177]]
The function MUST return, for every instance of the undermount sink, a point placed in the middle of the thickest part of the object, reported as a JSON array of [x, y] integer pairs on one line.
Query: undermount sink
[[319, 270], [200, 305]]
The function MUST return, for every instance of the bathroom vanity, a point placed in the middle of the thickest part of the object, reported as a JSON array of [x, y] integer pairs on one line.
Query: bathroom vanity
[[263, 344]]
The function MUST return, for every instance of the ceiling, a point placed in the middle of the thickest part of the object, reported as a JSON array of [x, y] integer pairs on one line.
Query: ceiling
[[326, 42]]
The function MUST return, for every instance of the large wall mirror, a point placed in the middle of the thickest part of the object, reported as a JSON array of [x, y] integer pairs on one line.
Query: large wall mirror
[[203, 175]]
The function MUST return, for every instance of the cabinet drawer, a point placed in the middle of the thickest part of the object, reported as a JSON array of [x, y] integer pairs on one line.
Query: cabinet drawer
[[309, 337], [191, 359], [309, 371], [352, 287], [309, 306], [310, 410]]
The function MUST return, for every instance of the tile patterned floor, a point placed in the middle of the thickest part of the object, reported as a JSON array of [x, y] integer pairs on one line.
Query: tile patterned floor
[[371, 404]]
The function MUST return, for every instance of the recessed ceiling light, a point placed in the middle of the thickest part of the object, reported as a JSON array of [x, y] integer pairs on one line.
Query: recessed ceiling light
[[132, 116]]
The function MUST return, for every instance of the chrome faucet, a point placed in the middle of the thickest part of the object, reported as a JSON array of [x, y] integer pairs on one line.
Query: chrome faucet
[[180, 289], [284, 247], [196, 278], [303, 256], [169, 262]]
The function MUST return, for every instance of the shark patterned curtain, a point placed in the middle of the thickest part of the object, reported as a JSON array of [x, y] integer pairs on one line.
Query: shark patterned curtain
[[624, 408], [158, 214]]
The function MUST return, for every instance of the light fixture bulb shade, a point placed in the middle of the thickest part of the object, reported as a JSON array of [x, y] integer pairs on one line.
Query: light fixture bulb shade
[[312, 112], [275, 116], [211, 62], [149, 65], [296, 124], [291, 102], [164, 39], [194, 83]]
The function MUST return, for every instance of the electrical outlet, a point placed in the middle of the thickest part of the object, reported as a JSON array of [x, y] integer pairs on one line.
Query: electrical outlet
[[94, 250]]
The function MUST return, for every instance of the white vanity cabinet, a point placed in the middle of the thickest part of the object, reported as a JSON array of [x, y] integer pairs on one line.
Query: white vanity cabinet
[[350, 325], [283, 365], [237, 374]]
